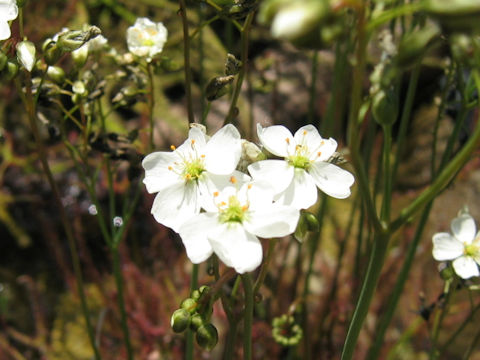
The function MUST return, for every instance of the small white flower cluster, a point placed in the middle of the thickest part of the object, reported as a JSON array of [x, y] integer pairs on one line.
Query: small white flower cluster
[[462, 248], [217, 209], [8, 12], [145, 38]]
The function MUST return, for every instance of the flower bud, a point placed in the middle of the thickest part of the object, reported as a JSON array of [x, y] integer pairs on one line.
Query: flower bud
[[197, 293], [51, 52], [415, 44], [385, 107], [189, 304], [56, 74], [73, 39], [307, 223], [217, 87], [455, 15], [26, 54], [3, 60], [197, 321], [232, 65], [80, 56], [180, 320], [12, 70], [207, 336]]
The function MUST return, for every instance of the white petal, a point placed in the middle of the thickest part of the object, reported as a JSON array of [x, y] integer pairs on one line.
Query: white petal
[[464, 229], [176, 204], [277, 172], [157, 174], [446, 247], [277, 139], [301, 193], [258, 194], [275, 221], [331, 179], [223, 151], [8, 10], [4, 30], [236, 248], [194, 236], [465, 267], [324, 151], [308, 135]]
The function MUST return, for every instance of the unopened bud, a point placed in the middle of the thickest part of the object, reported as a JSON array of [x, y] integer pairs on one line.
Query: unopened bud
[[217, 87], [180, 320], [307, 223], [189, 304], [80, 56], [3, 60], [415, 44], [232, 65], [197, 321], [207, 336], [385, 107], [26, 54], [12, 70], [56, 74], [73, 39], [51, 52]]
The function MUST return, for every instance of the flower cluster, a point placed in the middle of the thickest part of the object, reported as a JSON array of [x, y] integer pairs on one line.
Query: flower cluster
[[146, 38], [462, 248], [218, 209]]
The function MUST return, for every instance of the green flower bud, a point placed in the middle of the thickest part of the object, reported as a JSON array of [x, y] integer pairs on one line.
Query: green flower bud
[[73, 39], [207, 336], [26, 54], [197, 321], [56, 74], [197, 293], [51, 52], [464, 49], [415, 44], [80, 56], [446, 272], [12, 70], [180, 320], [190, 305], [217, 87], [3, 60], [307, 223], [455, 15], [385, 107]]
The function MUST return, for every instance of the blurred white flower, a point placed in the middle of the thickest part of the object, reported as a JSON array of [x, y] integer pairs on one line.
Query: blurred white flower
[[146, 38], [183, 176], [8, 12], [233, 220], [304, 168], [463, 247], [26, 54]]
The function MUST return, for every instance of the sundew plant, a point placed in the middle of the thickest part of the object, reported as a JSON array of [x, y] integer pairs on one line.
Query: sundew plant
[[239, 179]]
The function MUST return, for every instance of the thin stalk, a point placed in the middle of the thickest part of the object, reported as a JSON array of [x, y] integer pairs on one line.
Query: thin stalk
[[247, 316], [388, 15], [186, 58], [387, 174], [265, 265], [313, 89], [244, 58], [30, 106], [151, 106], [473, 345], [189, 335], [117, 271]]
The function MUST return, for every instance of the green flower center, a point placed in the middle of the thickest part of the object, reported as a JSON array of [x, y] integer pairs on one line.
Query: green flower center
[[193, 169], [148, 42], [299, 161], [472, 250], [234, 211]]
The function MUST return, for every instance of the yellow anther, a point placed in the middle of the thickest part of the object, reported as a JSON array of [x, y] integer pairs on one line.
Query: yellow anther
[[215, 194], [202, 156], [233, 179], [173, 147], [244, 207], [223, 203], [288, 141], [192, 141], [322, 142], [304, 132], [249, 186], [188, 176], [319, 153], [170, 168]]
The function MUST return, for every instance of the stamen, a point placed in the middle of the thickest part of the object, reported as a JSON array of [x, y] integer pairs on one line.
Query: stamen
[[322, 142], [215, 194], [249, 186], [173, 147], [244, 207], [319, 153], [233, 179], [288, 141], [304, 132], [223, 203], [202, 156], [170, 168]]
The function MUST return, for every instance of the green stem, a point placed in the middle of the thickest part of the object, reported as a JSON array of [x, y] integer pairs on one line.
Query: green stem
[[186, 58], [189, 335], [30, 106], [387, 174], [393, 13], [117, 271], [248, 316], [264, 269], [244, 58], [452, 338], [380, 245], [151, 106]]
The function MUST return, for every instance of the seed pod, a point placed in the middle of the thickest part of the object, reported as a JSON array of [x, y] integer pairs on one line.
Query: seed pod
[[385, 107], [190, 305], [217, 87]]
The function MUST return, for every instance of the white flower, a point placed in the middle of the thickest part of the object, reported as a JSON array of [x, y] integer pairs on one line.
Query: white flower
[[8, 11], [232, 221], [183, 176], [305, 166], [146, 38], [463, 247], [26, 54]]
